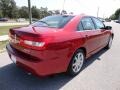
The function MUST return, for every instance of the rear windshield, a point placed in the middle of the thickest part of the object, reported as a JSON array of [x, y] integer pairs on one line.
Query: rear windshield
[[57, 21]]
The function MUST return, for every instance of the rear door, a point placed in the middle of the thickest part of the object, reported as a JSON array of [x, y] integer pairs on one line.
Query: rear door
[[90, 35], [104, 33]]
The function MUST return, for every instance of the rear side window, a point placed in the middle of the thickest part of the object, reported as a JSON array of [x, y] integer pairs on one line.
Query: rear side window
[[87, 24], [80, 27], [98, 23]]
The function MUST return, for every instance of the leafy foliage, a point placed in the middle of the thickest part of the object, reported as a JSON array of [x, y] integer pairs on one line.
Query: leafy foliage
[[9, 9], [35, 12], [116, 15], [23, 12]]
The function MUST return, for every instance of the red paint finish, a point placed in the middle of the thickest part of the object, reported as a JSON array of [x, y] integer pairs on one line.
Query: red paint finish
[[60, 44]]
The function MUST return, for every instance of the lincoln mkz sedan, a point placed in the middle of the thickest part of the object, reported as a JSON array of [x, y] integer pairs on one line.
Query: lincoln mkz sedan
[[58, 43]]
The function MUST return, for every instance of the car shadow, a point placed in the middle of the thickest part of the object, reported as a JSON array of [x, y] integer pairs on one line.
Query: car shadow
[[14, 78], [94, 57]]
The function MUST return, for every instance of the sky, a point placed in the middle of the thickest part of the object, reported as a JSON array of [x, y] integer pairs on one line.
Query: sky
[[88, 7]]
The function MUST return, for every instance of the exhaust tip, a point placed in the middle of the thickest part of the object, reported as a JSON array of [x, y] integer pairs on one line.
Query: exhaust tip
[[29, 73]]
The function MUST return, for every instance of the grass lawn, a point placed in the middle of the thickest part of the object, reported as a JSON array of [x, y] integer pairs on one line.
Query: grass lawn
[[3, 46], [5, 29]]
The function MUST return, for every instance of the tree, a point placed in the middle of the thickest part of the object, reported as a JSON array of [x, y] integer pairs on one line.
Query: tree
[[35, 12], [71, 13], [63, 12], [23, 12], [57, 12], [16, 13], [54, 12], [113, 17], [44, 12], [8, 8], [116, 15], [0, 13], [50, 12]]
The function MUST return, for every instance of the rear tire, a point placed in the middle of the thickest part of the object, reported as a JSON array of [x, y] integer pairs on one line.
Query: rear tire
[[76, 63], [109, 43]]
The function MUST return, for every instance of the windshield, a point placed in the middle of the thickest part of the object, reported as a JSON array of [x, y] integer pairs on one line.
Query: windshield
[[56, 21]]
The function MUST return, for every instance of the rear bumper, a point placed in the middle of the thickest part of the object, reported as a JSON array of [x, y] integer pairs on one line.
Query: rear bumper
[[25, 63], [35, 65]]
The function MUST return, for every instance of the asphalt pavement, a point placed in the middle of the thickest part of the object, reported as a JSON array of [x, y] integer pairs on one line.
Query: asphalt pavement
[[100, 72]]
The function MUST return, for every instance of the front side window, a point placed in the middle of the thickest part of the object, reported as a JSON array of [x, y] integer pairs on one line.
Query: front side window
[[87, 23], [98, 23], [56, 21]]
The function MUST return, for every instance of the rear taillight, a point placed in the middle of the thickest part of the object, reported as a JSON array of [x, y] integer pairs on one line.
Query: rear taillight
[[38, 43], [33, 43], [27, 39]]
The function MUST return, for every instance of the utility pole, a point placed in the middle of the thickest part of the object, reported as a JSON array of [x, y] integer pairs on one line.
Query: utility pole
[[97, 11], [119, 18], [30, 13], [63, 6]]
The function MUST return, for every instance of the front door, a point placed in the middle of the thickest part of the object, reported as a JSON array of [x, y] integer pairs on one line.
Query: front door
[[90, 34]]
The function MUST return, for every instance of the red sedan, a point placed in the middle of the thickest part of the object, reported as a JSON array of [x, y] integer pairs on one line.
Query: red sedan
[[58, 43]]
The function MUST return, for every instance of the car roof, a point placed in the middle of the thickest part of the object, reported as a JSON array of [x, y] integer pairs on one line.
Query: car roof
[[81, 15]]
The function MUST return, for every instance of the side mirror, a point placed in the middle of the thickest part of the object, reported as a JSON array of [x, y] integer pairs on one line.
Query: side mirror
[[108, 27]]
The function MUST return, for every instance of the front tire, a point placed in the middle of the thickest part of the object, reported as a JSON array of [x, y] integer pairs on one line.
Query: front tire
[[76, 63]]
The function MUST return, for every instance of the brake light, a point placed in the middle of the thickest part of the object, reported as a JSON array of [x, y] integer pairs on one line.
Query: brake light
[[33, 43], [38, 43]]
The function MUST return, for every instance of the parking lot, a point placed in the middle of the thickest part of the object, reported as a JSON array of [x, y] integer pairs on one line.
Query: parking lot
[[100, 72]]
